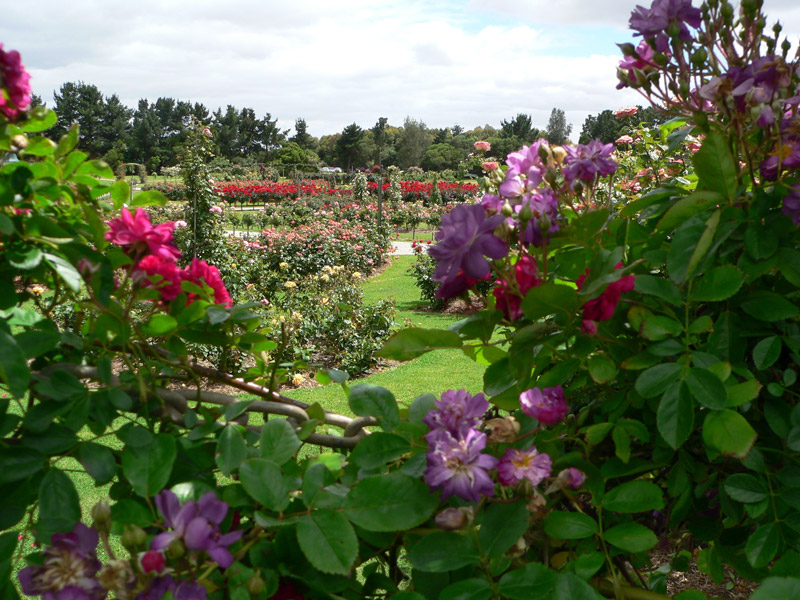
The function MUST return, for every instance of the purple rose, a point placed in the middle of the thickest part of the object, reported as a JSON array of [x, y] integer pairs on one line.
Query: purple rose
[[546, 405], [457, 411], [458, 467], [658, 21], [464, 240], [584, 162], [517, 465]]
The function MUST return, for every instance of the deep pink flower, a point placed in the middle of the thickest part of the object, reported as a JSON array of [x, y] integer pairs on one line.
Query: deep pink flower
[[546, 405], [602, 308], [165, 276], [15, 89], [199, 271], [140, 237], [508, 300], [517, 465], [153, 561]]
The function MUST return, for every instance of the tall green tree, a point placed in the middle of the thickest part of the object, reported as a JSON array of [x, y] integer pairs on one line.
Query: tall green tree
[[413, 143], [348, 146], [558, 129], [520, 127], [301, 137]]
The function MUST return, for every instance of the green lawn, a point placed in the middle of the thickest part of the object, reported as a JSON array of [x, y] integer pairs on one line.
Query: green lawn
[[433, 373]]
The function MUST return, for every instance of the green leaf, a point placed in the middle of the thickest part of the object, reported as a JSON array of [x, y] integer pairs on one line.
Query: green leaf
[[763, 545], [743, 392], [40, 146], [231, 449], [14, 369], [148, 467], [39, 122], [773, 588], [766, 352], [413, 342], [718, 284], [655, 380], [715, 166], [59, 504], [279, 442], [569, 526], [467, 589], [685, 242], [98, 461], [374, 401], [65, 270], [707, 388], [745, 488], [26, 257], [391, 502], [549, 299], [571, 587], [769, 307], [378, 449], [622, 443], [634, 496], [657, 328], [686, 207], [601, 368], [149, 198], [120, 192], [675, 416], [263, 481], [631, 537], [328, 541], [532, 582], [501, 527], [129, 510], [729, 433], [661, 288], [443, 551], [19, 463], [159, 325]]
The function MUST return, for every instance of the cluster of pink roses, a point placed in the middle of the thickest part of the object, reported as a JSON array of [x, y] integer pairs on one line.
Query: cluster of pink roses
[[15, 91], [155, 257]]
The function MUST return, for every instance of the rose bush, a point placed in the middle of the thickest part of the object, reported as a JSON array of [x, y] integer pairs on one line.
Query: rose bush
[[641, 356]]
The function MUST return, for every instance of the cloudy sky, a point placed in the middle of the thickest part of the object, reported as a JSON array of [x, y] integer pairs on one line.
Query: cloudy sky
[[331, 62]]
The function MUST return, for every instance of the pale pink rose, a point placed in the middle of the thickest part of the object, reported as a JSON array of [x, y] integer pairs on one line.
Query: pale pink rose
[[215, 209], [626, 111], [624, 139], [482, 146], [180, 223], [490, 165]]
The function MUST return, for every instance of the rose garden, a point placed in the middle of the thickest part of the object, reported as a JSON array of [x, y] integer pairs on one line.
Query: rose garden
[[627, 425]]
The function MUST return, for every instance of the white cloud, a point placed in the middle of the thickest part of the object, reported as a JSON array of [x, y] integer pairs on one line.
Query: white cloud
[[333, 63]]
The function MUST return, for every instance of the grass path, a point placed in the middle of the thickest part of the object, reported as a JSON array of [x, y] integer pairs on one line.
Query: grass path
[[432, 373]]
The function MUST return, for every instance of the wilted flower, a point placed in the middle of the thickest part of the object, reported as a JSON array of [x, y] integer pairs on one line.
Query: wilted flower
[[517, 465], [196, 524], [458, 467], [503, 430], [185, 590], [572, 478], [117, 577], [139, 237], [464, 240], [297, 379], [453, 519], [482, 146], [68, 568], [625, 111], [456, 412], [546, 405]]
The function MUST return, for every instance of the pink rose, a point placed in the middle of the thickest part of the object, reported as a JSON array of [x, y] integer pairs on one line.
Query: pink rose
[[626, 111], [482, 146]]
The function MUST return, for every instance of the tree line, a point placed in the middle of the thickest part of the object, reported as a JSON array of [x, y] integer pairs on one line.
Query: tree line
[[154, 132]]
